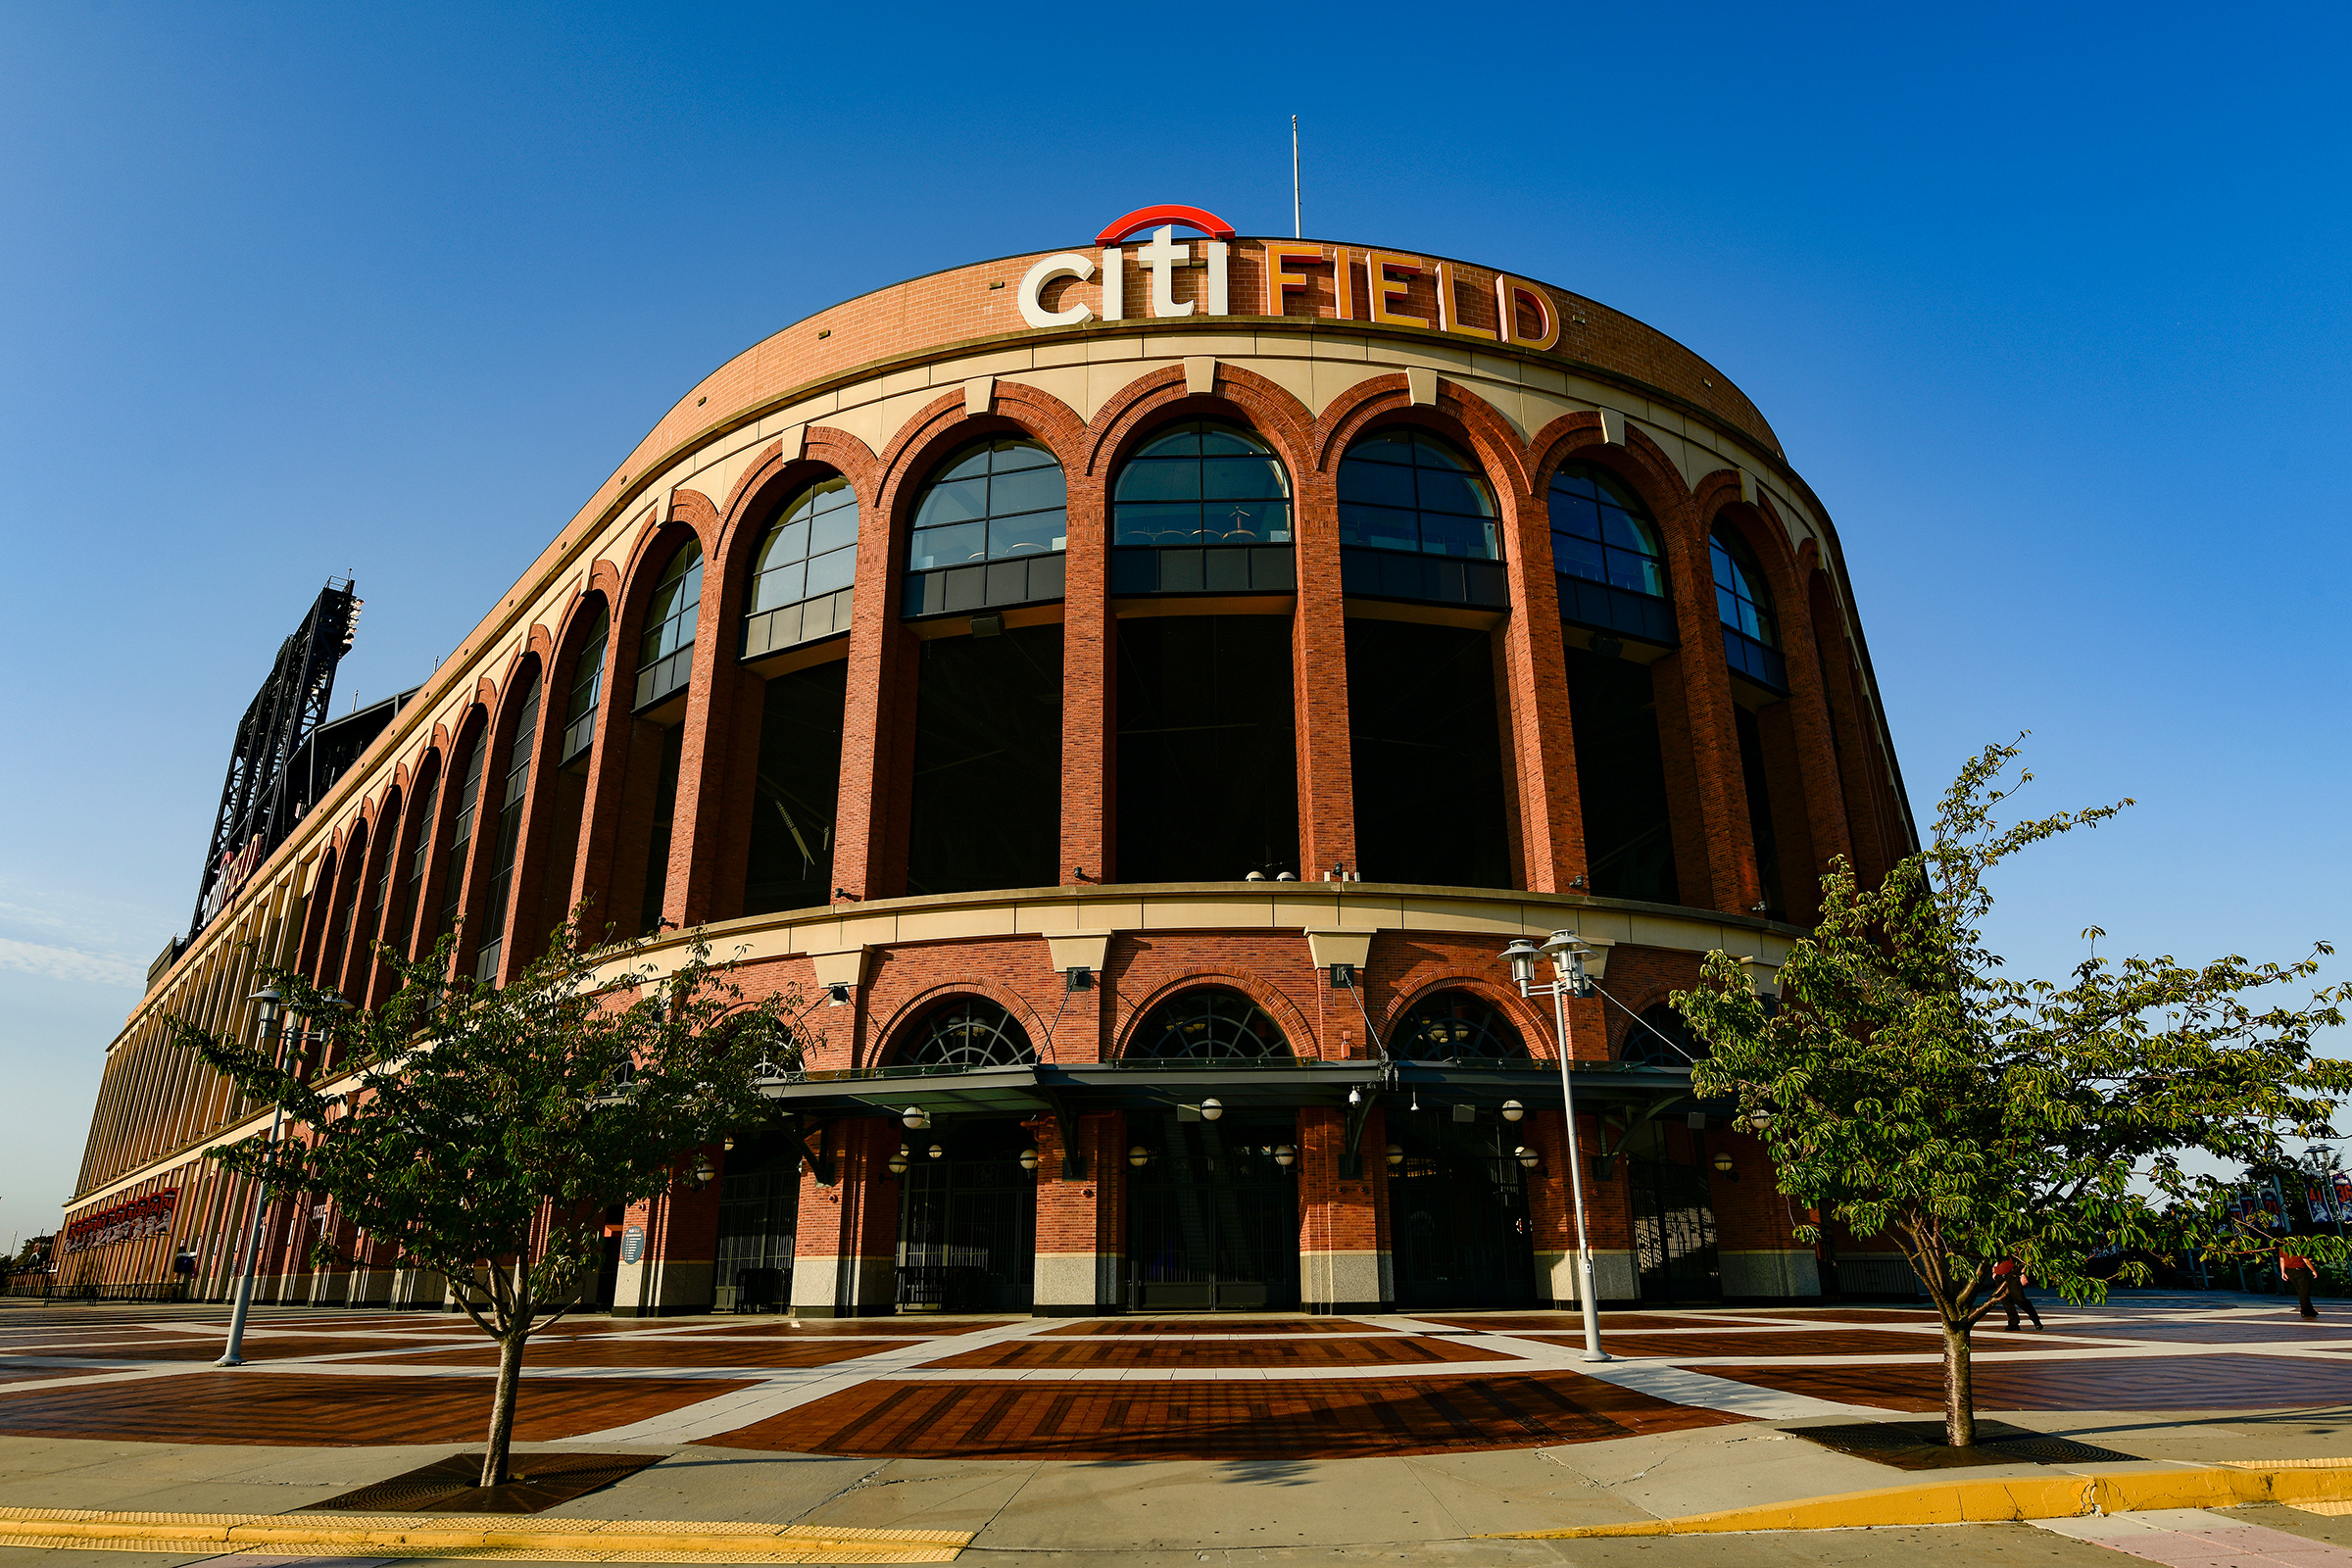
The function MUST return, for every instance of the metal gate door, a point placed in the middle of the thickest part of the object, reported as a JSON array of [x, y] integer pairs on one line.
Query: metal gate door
[[1673, 1234], [1213, 1219], [758, 1214], [1457, 1216], [968, 1222]]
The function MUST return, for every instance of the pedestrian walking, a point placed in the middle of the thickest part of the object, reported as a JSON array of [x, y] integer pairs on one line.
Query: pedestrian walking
[[2009, 1289], [2298, 1272]]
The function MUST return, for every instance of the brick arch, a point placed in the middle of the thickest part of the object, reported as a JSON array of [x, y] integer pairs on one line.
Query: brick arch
[[1644, 469], [893, 1032], [1535, 1029], [943, 426], [1623, 1026], [1241, 397], [1459, 415], [1298, 1030], [774, 477]]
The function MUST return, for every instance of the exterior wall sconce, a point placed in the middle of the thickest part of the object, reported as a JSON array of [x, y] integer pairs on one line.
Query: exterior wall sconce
[[1139, 1157], [1396, 1155], [704, 1172], [837, 995], [937, 1151], [1285, 1155], [1526, 1156], [1723, 1166], [1080, 978], [1342, 977], [1212, 1110], [898, 1162], [1512, 1111], [915, 1118], [1028, 1161], [1760, 1120]]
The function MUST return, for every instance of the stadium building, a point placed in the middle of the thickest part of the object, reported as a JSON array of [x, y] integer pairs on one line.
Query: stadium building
[[1133, 694]]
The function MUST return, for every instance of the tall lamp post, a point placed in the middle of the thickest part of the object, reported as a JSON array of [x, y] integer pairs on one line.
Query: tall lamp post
[[266, 1006], [1567, 954]]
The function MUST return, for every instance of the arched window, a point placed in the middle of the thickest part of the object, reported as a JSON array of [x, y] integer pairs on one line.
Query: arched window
[[1606, 554], [1001, 500], [968, 1033], [509, 828], [666, 654], [403, 934], [1210, 1023], [587, 691], [1660, 1038], [1417, 520], [1456, 1026], [802, 579], [1202, 482], [380, 892], [1751, 635], [461, 832]]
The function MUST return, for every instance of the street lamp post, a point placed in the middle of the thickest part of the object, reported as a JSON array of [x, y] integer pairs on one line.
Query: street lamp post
[[1567, 954], [266, 1013]]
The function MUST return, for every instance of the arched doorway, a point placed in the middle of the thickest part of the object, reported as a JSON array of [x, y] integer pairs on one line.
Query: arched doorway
[[968, 1208], [1458, 1227]]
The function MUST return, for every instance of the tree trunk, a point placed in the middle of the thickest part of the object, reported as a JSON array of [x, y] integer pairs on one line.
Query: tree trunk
[[501, 1408], [1959, 1389]]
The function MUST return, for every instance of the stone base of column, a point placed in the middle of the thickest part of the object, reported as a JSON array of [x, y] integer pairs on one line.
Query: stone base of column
[[1614, 1278], [662, 1288], [419, 1288], [844, 1287], [1072, 1283], [1349, 1281], [1780, 1275]]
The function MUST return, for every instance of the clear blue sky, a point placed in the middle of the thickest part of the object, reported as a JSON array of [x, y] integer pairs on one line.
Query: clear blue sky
[[2047, 303]]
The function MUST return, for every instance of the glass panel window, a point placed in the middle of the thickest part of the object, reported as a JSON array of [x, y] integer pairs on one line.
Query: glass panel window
[[1456, 1026], [677, 602], [509, 829], [1208, 1024], [1405, 489], [1203, 483], [969, 1033], [1603, 533], [992, 501], [811, 548], [1740, 598], [587, 688]]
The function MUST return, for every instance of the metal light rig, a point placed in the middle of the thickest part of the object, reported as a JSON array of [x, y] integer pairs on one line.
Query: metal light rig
[[262, 798]]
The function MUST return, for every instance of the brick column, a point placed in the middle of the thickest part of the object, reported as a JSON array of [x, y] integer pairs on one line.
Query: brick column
[[1553, 1221], [1344, 1262], [1759, 1259], [1088, 692], [1708, 736], [844, 1260], [1533, 669], [1787, 787], [672, 1276], [1079, 1244], [1319, 683]]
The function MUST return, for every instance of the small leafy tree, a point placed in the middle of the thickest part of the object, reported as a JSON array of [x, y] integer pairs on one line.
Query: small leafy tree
[[487, 1129], [1905, 1088]]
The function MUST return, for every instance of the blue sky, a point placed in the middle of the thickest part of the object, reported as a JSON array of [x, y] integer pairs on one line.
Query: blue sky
[[2048, 304]]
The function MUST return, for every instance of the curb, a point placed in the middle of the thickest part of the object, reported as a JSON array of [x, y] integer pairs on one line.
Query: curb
[[473, 1535], [2002, 1500]]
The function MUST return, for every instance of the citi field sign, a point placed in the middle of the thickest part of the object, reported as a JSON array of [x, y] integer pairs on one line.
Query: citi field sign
[[1360, 284]]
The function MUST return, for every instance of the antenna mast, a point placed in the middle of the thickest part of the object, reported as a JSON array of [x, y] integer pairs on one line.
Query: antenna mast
[[1296, 232]]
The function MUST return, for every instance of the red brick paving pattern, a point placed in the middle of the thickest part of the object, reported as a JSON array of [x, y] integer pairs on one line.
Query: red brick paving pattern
[[1857, 1341], [1181, 1354], [1570, 1323], [256, 1348], [2240, 1331], [886, 1327], [1211, 1325], [2144, 1383], [1221, 1420], [243, 1407]]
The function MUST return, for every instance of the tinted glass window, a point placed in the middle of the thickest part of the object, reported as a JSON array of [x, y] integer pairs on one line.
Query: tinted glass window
[[992, 501], [1601, 532], [1456, 1026], [1203, 483], [969, 1032], [1209, 1024], [677, 601], [1741, 596], [811, 548], [1403, 489]]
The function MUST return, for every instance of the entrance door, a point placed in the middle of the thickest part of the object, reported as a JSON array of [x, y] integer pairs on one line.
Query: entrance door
[[1457, 1216], [1674, 1221], [759, 1216], [967, 1220], [1213, 1219]]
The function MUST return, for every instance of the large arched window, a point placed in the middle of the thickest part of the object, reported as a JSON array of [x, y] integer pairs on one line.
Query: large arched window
[[1606, 554], [801, 585], [587, 691], [460, 831], [968, 1033], [1659, 1038], [1417, 520], [989, 530], [508, 827], [403, 934], [665, 652], [1456, 1026], [1204, 490], [1208, 1023], [1751, 634]]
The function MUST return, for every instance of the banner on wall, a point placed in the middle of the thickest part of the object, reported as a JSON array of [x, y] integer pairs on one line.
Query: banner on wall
[[124, 1222]]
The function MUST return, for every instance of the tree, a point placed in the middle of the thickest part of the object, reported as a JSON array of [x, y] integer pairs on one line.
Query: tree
[[481, 1132], [1905, 1088]]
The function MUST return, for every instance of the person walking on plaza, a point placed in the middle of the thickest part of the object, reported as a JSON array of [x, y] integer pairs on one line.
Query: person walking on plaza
[[2298, 1272], [2009, 1287]]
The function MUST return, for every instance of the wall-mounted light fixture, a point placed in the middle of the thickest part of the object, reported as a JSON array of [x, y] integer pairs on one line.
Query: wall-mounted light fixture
[[1512, 1111]]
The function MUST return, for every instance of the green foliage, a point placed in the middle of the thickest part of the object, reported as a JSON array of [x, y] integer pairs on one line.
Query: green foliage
[[1915, 1092]]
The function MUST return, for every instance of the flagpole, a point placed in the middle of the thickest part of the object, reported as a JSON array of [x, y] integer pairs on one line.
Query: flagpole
[[1296, 232]]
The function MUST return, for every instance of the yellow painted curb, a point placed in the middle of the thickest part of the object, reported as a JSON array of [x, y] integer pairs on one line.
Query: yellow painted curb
[[1995, 1500], [472, 1535]]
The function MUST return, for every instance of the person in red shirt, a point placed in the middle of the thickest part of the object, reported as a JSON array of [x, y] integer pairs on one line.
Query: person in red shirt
[[2009, 1289], [2298, 1272]]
